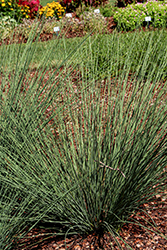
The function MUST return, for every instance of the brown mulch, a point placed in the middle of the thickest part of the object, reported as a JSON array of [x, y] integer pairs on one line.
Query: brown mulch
[[137, 237], [70, 33]]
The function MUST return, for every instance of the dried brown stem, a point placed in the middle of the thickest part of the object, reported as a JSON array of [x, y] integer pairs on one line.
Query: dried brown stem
[[103, 165]]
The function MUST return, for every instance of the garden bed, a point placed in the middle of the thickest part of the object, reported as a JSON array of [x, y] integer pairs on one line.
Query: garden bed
[[69, 31], [83, 141]]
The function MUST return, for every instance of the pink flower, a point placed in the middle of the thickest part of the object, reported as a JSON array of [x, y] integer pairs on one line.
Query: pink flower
[[33, 4]]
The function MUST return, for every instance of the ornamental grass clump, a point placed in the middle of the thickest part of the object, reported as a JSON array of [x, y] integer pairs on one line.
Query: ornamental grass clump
[[93, 21], [80, 155]]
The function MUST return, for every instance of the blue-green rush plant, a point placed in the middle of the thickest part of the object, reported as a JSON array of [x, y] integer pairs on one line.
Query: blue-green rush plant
[[80, 154]]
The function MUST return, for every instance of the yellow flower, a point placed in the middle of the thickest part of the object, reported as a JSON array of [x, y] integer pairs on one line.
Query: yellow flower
[[9, 3], [24, 13], [3, 4], [27, 16], [11, 8], [2, 1], [51, 8]]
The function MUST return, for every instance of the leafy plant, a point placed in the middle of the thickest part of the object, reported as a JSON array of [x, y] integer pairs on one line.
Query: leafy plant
[[81, 154], [81, 9], [134, 15], [108, 10], [7, 24], [113, 3]]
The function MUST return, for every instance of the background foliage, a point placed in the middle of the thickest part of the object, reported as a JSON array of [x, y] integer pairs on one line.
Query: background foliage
[[133, 16]]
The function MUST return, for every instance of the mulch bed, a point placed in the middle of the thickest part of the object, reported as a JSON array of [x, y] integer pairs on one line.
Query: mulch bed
[[70, 33]]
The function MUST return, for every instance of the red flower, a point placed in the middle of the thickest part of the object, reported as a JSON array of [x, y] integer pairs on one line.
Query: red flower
[[67, 1], [34, 4]]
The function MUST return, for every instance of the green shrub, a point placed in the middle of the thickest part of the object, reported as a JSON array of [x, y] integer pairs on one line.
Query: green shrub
[[108, 10], [134, 15]]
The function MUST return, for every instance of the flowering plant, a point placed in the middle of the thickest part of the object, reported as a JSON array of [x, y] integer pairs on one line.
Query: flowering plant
[[134, 15], [53, 9], [12, 9], [34, 6]]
